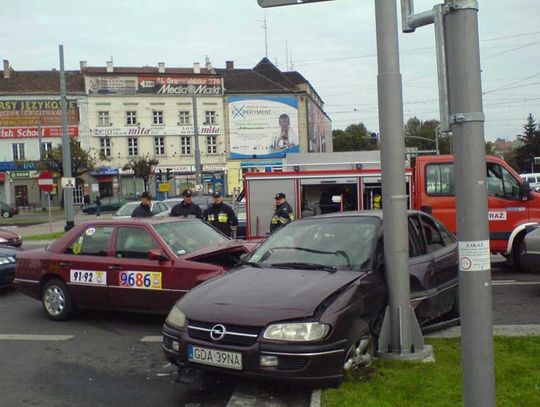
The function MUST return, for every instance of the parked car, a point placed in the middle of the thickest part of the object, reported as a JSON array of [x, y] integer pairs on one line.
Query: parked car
[[528, 258], [308, 302], [8, 238], [106, 206], [202, 201], [7, 211], [140, 264], [158, 209], [7, 265]]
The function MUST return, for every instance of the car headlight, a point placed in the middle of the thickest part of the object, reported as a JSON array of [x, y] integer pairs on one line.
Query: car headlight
[[6, 260], [176, 317], [2, 240], [302, 331]]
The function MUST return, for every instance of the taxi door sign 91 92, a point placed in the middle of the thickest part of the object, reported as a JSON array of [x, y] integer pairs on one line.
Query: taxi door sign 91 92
[[474, 255]]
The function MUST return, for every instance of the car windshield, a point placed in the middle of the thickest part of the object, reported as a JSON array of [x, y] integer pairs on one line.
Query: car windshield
[[325, 243], [127, 209], [187, 236]]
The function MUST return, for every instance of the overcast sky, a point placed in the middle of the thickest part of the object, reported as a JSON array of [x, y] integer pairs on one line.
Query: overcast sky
[[331, 43]]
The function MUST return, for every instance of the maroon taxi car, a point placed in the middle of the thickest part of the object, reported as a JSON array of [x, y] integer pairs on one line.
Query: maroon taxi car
[[135, 265], [307, 304]]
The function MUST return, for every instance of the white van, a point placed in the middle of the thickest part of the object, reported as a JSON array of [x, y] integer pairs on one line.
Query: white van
[[533, 178]]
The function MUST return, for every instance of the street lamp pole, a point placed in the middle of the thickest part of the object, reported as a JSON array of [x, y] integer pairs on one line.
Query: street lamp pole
[[198, 170]]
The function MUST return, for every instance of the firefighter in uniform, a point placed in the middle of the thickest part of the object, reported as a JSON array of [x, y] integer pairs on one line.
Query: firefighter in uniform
[[283, 213], [221, 216], [187, 208], [377, 201]]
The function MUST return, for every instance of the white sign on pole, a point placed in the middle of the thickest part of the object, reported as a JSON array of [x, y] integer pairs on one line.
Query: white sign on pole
[[68, 182], [95, 187]]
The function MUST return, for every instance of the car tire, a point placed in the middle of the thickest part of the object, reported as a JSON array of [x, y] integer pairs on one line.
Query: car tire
[[5, 214], [56, 300], [360, 354], [517, 249]]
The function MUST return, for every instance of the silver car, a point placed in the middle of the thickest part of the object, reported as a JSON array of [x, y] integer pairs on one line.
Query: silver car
[[529, 254], [158, 208]]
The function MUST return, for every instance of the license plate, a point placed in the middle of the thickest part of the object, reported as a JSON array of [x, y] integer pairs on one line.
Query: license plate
[[214, 357]]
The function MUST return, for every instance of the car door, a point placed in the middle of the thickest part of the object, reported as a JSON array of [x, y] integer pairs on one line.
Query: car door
[[138, 283], [421, 269], [85, 264], [443, 247]]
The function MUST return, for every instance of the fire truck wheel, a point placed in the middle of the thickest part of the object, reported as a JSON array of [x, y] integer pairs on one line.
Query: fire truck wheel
[[517, 250]]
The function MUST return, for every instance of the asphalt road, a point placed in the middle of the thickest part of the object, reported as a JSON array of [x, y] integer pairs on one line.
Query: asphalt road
[[111, 359]]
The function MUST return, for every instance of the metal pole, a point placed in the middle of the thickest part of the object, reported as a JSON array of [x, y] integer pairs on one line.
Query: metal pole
[[41, 156], [198, 170], [49, 205], [400, 335], [467, 124], [66, 148]]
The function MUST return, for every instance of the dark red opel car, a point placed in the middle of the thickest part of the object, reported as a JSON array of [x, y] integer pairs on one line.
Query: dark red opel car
[[135, 265], [307, 304]]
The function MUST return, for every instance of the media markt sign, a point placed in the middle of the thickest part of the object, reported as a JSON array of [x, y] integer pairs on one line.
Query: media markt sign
[[19, 174]]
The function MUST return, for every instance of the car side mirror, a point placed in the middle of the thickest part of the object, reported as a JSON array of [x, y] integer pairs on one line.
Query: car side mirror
[[156, 254], [525, 189]]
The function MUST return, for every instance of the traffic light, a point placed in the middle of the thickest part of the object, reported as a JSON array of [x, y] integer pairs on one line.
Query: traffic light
[[158, 176], [169, 174]]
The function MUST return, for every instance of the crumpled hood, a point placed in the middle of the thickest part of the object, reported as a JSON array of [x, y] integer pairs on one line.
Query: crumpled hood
[[257, 296]]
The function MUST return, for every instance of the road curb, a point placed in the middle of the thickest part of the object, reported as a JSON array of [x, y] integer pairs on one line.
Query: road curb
[[498, 330]]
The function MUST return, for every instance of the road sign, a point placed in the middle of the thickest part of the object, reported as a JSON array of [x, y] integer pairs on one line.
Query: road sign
[[164, 187], [45, 182], [68, 182]]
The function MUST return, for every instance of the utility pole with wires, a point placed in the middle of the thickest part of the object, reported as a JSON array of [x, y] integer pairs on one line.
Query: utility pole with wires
[[265, 26]]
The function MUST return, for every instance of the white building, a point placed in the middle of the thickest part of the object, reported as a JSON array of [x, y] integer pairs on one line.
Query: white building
[[149, 111]]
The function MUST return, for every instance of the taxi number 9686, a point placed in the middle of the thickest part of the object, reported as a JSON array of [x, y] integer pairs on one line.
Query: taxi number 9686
[[140, 279]]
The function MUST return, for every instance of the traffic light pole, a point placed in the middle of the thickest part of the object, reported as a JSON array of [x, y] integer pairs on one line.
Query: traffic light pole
[[66, 146]]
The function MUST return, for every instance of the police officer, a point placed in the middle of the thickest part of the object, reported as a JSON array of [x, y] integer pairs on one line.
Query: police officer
[[143, 209], [187, 208], [221, 216], [283, 213]]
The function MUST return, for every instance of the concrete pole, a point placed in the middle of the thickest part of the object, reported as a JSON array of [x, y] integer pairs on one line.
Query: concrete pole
[[66, 150], [400, 336], [467, 125], [198, 169]]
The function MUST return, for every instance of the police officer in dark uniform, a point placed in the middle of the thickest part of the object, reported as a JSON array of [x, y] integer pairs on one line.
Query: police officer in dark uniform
[[143, 210], [187, 208], [221, 216], [283, 213]]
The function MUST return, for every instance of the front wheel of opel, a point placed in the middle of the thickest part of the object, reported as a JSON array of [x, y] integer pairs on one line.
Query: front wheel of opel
[[360, 354]]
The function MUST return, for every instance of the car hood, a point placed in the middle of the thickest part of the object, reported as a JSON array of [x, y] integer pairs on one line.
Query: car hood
[[258, 296], [203, 253]]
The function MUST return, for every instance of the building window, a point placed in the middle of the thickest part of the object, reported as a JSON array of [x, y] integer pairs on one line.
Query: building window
[[133, 147], [158, 117], [103, 119], [105, 146], [183, 118], [18, 151], [211, 144], [131, 118], [159, 145], [210, 117], [45, 149], [185, 145]]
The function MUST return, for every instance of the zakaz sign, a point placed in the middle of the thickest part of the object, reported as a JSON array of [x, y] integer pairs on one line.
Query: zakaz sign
[[187, 85]]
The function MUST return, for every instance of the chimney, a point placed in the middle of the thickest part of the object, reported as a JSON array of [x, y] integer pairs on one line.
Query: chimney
[[229, 65], [110, 66], [161, 67], [83, 65], [196, 67], [6, 69]]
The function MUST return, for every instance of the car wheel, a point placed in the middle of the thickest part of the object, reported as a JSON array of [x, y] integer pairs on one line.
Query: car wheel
[[5, 214], [360, 354], [56, 300], [517, 251]]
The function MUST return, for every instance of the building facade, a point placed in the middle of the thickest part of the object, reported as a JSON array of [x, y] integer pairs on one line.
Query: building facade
[[30, 126]]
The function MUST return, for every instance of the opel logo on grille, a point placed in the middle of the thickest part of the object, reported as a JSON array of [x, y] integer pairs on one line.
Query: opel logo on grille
[[217, 332]]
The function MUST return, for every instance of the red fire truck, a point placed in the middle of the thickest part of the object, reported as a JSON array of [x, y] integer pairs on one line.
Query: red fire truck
[[320, 187]]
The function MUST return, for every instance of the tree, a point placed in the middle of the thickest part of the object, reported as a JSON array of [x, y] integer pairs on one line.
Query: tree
[[421, 134], [82, 160], [531, 145], [355, 137], [142, 167]]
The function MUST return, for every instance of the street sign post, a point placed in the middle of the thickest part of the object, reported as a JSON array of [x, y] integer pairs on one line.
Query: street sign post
[[45, 184]]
